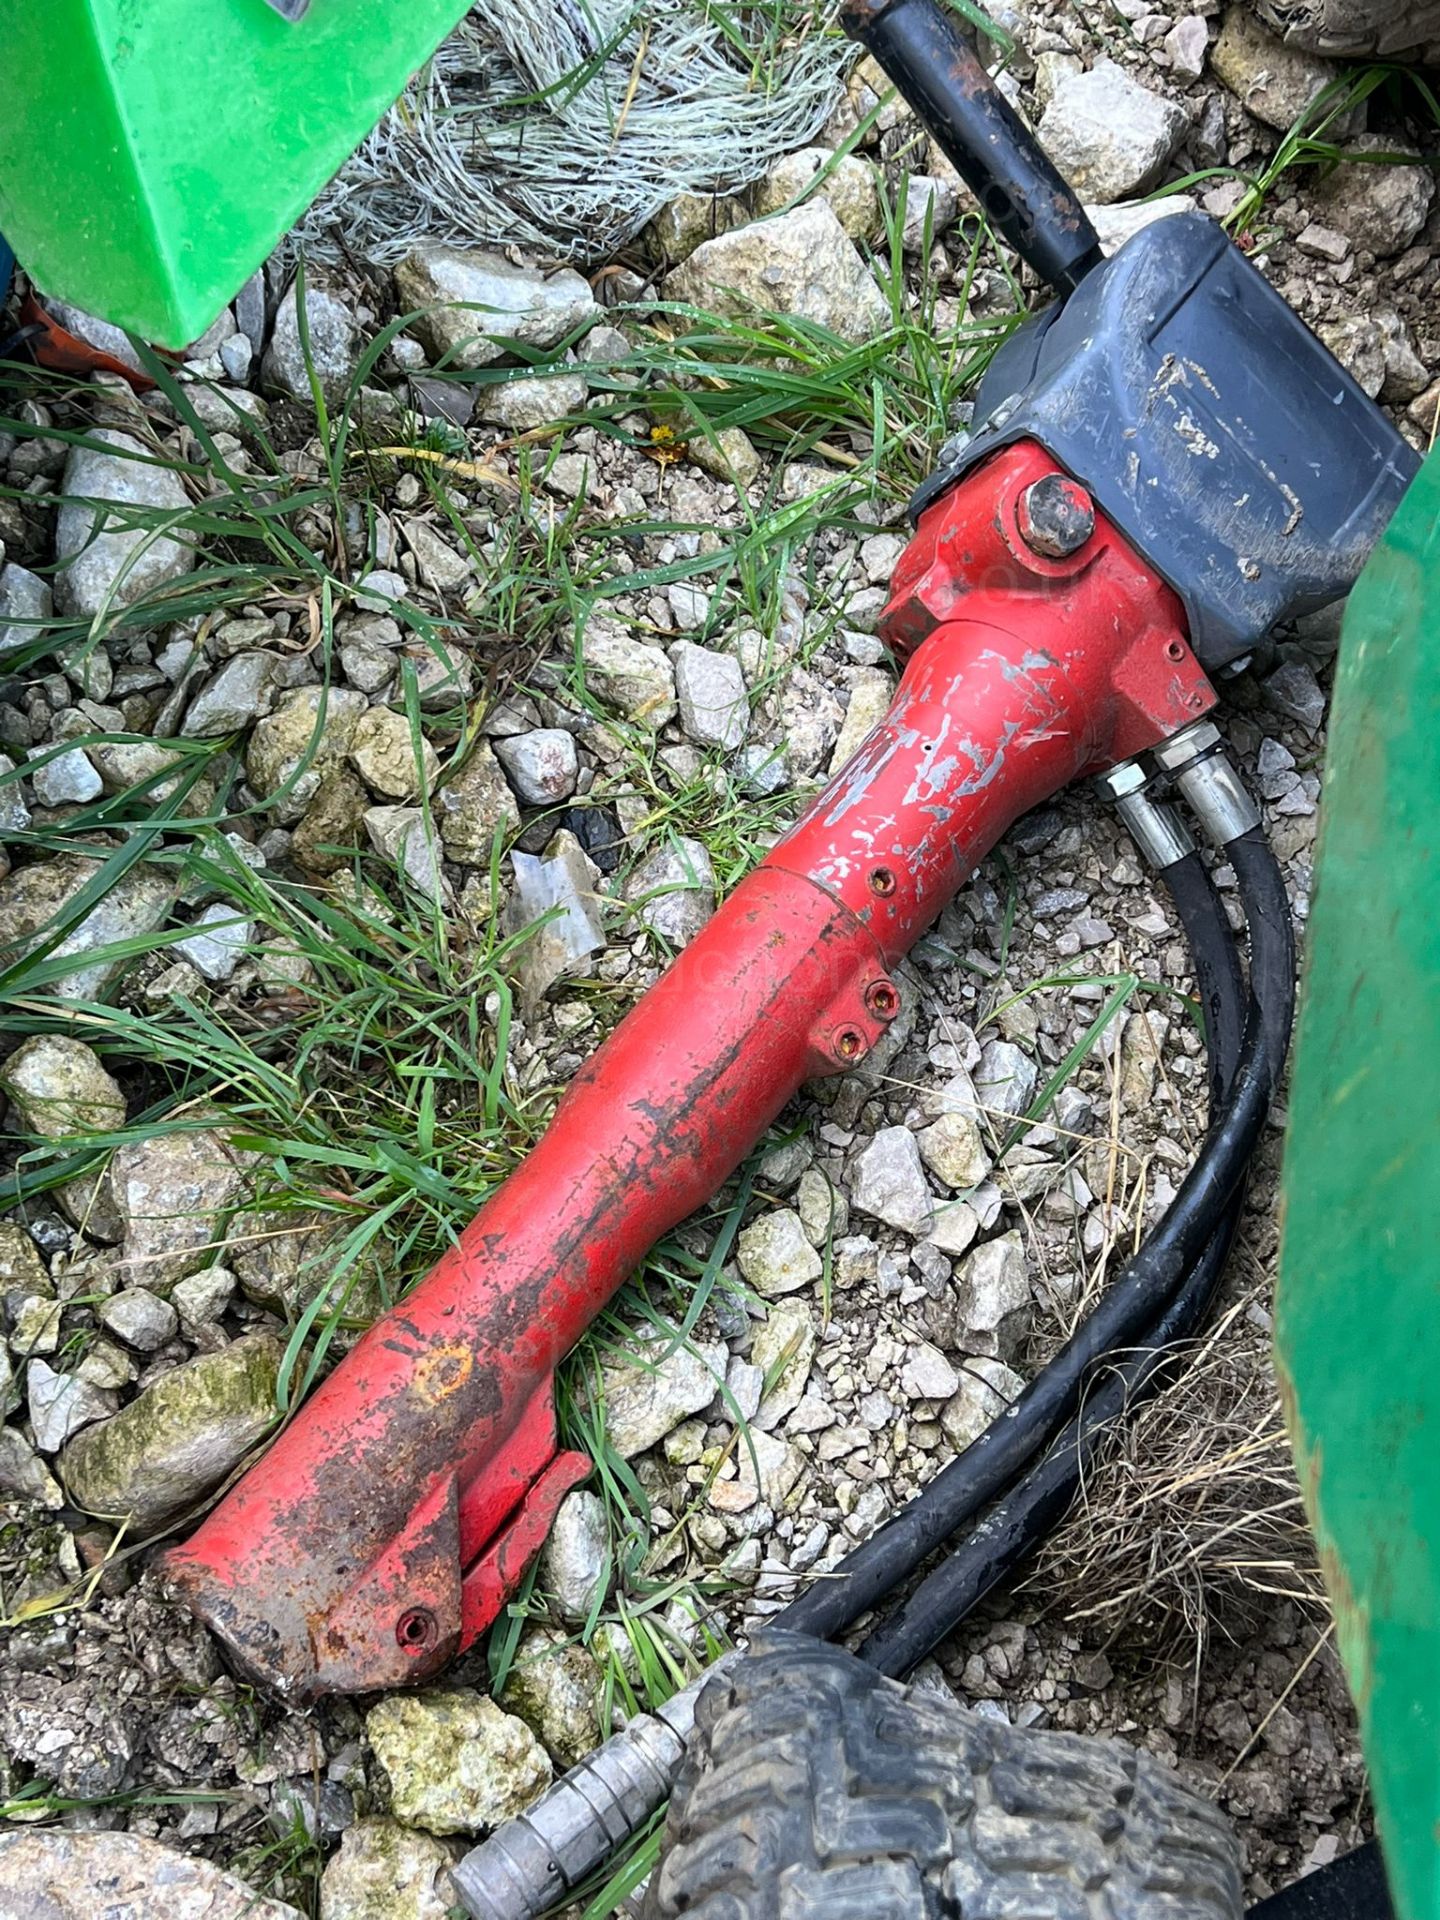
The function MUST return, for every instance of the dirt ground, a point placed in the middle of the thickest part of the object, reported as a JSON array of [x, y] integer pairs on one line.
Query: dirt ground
[[1179, 1607]]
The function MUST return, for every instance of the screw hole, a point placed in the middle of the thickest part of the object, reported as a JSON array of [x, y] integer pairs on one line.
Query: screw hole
[[882, 881], [1175, 650], [415, 1630], [849, 1043], [882, 1000]]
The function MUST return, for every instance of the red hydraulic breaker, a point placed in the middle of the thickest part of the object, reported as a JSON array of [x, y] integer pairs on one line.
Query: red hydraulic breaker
[[392, 1518], [1166, 463]]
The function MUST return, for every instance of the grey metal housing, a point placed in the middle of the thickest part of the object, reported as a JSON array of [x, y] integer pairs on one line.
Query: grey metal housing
[[1220, 436]]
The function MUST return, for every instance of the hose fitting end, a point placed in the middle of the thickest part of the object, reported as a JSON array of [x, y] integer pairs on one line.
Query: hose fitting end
[[539, 1856], [1157, 830], [1196, 761]]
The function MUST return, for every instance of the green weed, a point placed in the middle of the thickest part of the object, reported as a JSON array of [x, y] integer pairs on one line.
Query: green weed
[[1318, 139]]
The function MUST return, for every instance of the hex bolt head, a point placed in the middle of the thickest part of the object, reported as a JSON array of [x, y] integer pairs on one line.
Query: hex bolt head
[[1056, 515], [1119, 782]]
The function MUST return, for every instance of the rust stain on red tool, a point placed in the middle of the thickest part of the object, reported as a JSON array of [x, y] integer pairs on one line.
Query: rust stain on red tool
[[395, 1514]]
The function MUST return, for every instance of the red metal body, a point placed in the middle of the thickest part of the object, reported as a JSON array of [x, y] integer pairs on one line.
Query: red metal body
[[390, 1520]]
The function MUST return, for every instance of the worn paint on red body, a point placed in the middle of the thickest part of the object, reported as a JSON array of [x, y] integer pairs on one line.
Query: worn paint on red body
[[390, 1520]]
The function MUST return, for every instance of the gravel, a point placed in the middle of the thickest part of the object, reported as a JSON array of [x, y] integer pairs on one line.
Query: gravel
[[559, 892], [775, 1254], [894, 1280], [437, 562], [506, 302], [1187, 44], [179, 1438], [174, 1192], [555, 1688], [384, 755], [1376, 205], [801, 263], [34, 895], [242, 691], [293, 749], [218, 944], [985, 1388], [140, 1318], [889, 1182], [1295, 692], [673, 892], [542, 767], [850, 186], [627, 676], [386, 1871], [50, 1875], [994, 1297], [25, 600], [22, 1471], [648, 1392], [61, 1087], [1110, 136], [954, 1151], [64, 779], [334, 344], [109, 555], [522, 405], [454, 1762], [576, 1562], [1005, 1079], [710, 688], [61, 1404], [1276, 83], [472, 806]]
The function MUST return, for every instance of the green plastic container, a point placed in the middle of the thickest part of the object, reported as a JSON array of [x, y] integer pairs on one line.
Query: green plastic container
[[1358, 1320], [152, 152]]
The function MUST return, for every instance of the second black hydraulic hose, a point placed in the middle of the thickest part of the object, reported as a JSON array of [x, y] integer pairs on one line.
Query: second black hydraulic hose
[[1130, 1307], [1019, 1521]]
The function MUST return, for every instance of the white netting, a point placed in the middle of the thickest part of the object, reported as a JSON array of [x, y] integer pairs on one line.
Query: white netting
[[564, 125]]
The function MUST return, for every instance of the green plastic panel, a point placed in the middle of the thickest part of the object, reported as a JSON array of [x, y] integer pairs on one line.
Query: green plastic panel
[[152, 152], [1358, 1322]]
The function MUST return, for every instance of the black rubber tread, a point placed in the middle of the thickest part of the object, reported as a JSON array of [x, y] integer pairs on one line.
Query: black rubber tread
[[815, 1789]]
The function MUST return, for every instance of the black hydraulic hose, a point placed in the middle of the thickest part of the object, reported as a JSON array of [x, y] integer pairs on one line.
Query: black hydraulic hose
[[1018, 1522], [922, 47], [1124, 1315], [1128, 1309], [1272, 938], [1216, 959]]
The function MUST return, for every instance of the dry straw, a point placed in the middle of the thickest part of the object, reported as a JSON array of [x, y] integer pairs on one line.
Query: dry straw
[[563, 127]]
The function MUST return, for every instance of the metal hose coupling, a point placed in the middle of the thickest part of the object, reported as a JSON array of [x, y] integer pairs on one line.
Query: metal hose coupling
[[1196, 761], [534, 1860], [1156, 828]]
